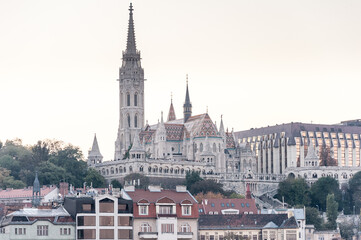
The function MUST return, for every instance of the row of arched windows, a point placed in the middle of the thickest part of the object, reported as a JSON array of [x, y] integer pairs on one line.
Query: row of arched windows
[[129, 121], [135, 99], [201, 147], [153, 169]]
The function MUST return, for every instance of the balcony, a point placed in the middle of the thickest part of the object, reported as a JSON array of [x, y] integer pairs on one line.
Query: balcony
[[185, 235], [148, 235]]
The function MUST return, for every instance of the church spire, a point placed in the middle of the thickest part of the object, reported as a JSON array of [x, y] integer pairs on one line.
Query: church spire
[[131, 46], [171, 113], [95, 147], [187, 107]]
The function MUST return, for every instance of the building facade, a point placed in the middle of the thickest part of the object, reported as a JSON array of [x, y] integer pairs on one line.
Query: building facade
[[295, 149], [164, 214], [102, 217], [33, 223], [244, 226]]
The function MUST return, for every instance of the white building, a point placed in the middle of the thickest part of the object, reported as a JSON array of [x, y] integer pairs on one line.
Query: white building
[[33, 223]]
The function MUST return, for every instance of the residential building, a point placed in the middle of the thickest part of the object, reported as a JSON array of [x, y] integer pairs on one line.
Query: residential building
[[34, 223], [102, 217], [245, 226], [164, 214]]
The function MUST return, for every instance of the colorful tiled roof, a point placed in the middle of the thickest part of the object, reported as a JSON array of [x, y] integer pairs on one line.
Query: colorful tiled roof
[[217, 205], [230, 140], [25, 192], [174, 132]]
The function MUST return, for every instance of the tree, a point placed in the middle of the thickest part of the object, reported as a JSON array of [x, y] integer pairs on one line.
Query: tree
[[137, 177], [236, 195], [331, 211], [209, 195], [313, 217], [7, 181], [294, 190], [326, 158], [321, 188], [205, 186], [116, 184], [355, 192], [191, 178], [94, 178]]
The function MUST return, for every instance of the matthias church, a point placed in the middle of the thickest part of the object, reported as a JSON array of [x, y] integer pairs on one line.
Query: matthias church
[[256, 158], [172, 147]]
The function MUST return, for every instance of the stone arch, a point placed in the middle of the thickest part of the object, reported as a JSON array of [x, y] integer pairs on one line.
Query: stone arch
[[314, 175], [107, 171], [291, 175], [141, 168], [130, 169], [111, 170]]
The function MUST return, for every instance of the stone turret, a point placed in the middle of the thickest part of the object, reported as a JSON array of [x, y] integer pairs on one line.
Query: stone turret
[[94, 155]]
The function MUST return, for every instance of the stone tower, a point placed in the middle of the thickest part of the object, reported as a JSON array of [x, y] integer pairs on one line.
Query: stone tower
[[187, 107], [94, 155], [131, 94]]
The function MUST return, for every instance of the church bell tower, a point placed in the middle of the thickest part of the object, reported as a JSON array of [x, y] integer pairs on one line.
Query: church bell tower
[[131, 94]]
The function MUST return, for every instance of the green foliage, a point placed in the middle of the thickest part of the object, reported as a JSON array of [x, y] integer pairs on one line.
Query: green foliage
[[144, 180], [94, 178], [116, 184], [7, 181], [323, 187], [235, 195], [53, 159], [346, 230], [331, 211], [355, 192], [206, 186], [191, 178], [313, 217], [294, 190]]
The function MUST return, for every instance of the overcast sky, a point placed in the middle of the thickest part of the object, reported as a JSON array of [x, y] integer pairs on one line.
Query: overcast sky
[[257, 62]]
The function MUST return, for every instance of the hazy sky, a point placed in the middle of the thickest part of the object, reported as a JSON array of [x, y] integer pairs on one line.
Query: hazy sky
[[257, 62]]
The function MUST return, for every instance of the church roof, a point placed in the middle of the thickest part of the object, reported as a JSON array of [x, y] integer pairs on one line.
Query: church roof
[[171, 114], [230, 140], [95, 148], [197, 126]]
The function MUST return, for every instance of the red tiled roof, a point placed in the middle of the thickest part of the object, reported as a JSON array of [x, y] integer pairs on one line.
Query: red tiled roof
[[25, 192], [153, 197], [217, 205]]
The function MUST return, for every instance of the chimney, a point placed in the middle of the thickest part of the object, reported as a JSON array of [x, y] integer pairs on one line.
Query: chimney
[[181, 188], [154, 188], [129, 188], [64, 186]]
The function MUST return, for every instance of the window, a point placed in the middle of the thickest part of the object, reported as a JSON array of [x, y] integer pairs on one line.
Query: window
[[135, 99], [185, 228], [145, 227], [187, 210], [18, 231], [232, 204], [128, 117], [106, 221], [2, 230], [136, 121], [87, 207], [106, 206], [212, 204], [167, 228], [222, 204], [165, 209], [143, 210], [128, 99], [65, 231], [42, 230]]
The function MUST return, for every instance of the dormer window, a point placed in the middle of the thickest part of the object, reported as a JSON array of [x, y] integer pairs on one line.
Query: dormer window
[[143, 209], [187, 210], [165, 209]]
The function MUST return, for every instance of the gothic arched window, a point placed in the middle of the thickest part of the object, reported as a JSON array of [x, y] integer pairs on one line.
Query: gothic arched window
[[128, 99], [128, 120], [214, 147], [136, 121], [136, 99], [201, 147]]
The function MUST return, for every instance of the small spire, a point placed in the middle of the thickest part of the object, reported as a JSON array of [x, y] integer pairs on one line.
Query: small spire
[[187, 107], [131, 45], [221, 127], [161, 117], [171, 113], [207, 110]]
